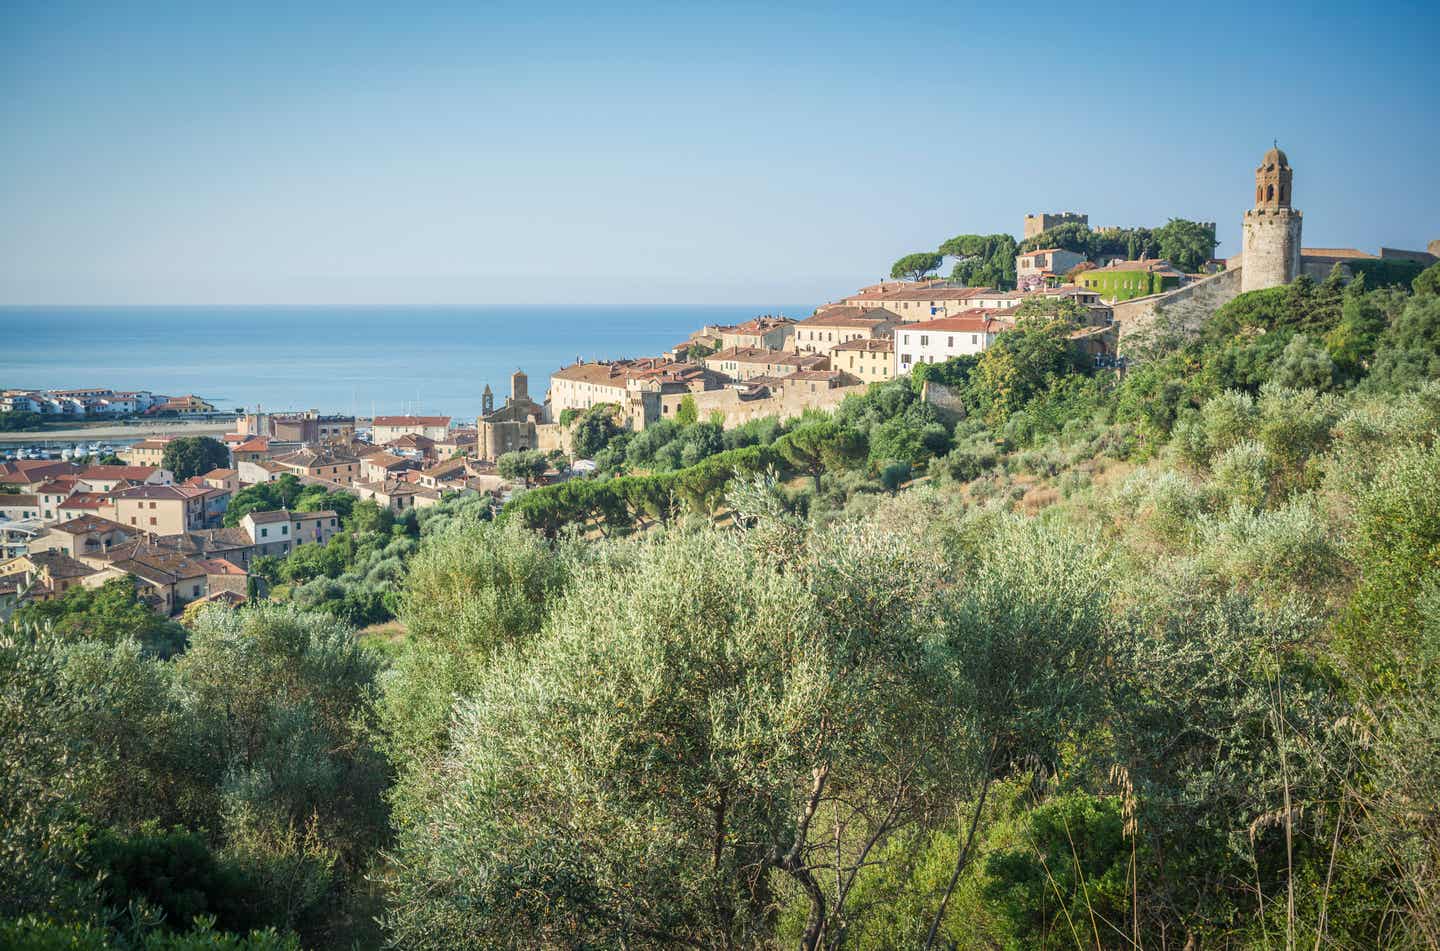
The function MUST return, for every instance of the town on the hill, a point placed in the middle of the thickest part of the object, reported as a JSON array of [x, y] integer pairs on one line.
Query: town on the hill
[[68, 522]]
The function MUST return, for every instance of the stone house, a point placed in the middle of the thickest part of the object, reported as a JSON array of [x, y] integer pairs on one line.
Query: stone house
[[107, 478], [385, 428], [761, 333], [936, 341], [85, 536], [19, 506], [820, 332], [146, 452], [871, 359], [160, 509], [397, 495], [1036, 269], [742, 363], [324, 464]]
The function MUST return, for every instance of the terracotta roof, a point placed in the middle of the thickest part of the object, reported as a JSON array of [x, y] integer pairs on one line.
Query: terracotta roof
[[219, 474], [868, 344], [86, 500], [156, 564], [388, 460], [760, 325], [313, 458], [395, 421], [30, 470], [57, 564], [760, 355], [441, 469], [619, 373], [850, 317], [971, 321], [219, 566], [412, 441], [137, 473], [64, 484], [831, 377], [258, 444], [1334, 253], [85, 524], [18, 501], [170, 492], [265, 518], [224, 596], [317, 514]]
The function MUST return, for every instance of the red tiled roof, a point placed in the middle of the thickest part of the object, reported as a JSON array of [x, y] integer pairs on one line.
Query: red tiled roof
[[411, 421], [220, 566], [1334, 253], [170, 492], [138, 473], [86, 500], [88, 523], [971, 321]]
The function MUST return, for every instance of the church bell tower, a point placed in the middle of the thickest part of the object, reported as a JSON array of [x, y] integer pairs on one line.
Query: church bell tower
[[1270, 250]]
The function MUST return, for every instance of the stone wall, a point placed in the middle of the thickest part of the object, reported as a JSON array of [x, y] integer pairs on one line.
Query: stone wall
[[944, 399], [1186, 307], [736, 409], [552, 436]]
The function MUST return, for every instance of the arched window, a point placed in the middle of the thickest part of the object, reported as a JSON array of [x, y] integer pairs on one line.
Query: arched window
[[1269, 192], [1259, 194], [1284, 196]]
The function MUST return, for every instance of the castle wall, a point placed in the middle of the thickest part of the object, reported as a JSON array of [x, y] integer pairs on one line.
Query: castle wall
[[1039, 224], [1271, 243], [1185, 307], [790, 401]]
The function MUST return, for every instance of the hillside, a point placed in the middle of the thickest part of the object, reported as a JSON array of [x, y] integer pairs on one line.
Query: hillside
[[1115, 659]]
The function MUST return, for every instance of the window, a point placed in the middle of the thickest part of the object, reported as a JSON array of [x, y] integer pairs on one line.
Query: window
[[195, 591], [906, 338], [264, 533], [974, 338], [924, 340], [152, 520], [949, 341]]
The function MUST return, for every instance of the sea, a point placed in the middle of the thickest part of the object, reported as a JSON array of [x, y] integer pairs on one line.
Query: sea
[[362, 360]]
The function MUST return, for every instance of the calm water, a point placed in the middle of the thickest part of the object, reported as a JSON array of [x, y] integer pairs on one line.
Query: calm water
[[389, 359]]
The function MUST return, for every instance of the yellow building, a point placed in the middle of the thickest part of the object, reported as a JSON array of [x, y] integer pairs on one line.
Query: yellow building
[[871, 359]]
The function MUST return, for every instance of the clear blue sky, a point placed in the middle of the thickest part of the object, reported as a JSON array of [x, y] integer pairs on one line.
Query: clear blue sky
[[677, 152]]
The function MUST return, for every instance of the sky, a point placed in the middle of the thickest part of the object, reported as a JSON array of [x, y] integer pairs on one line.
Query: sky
[[511, 153]]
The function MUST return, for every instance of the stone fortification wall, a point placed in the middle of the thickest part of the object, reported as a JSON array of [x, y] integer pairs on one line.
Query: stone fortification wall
[[1185, 307], [784, 402], [552, 436], [944, 399]]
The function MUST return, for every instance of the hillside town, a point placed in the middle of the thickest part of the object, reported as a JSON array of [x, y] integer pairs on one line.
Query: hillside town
[[70, 522]]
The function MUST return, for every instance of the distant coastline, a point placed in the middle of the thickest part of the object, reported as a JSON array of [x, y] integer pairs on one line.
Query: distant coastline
[[352, 360], [135, 431]]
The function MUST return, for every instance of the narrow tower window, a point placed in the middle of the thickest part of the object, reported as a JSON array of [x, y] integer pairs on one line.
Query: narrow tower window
[[1269, 192]]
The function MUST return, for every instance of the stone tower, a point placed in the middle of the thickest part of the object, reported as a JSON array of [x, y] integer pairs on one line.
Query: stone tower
[[487, 401], [1270, 252], [519, 387]]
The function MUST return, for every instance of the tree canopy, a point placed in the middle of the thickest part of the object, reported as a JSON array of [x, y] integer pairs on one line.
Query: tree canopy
[[188, 456]]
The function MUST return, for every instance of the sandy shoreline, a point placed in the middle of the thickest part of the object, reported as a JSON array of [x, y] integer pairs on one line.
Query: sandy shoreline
[[173, 427]]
